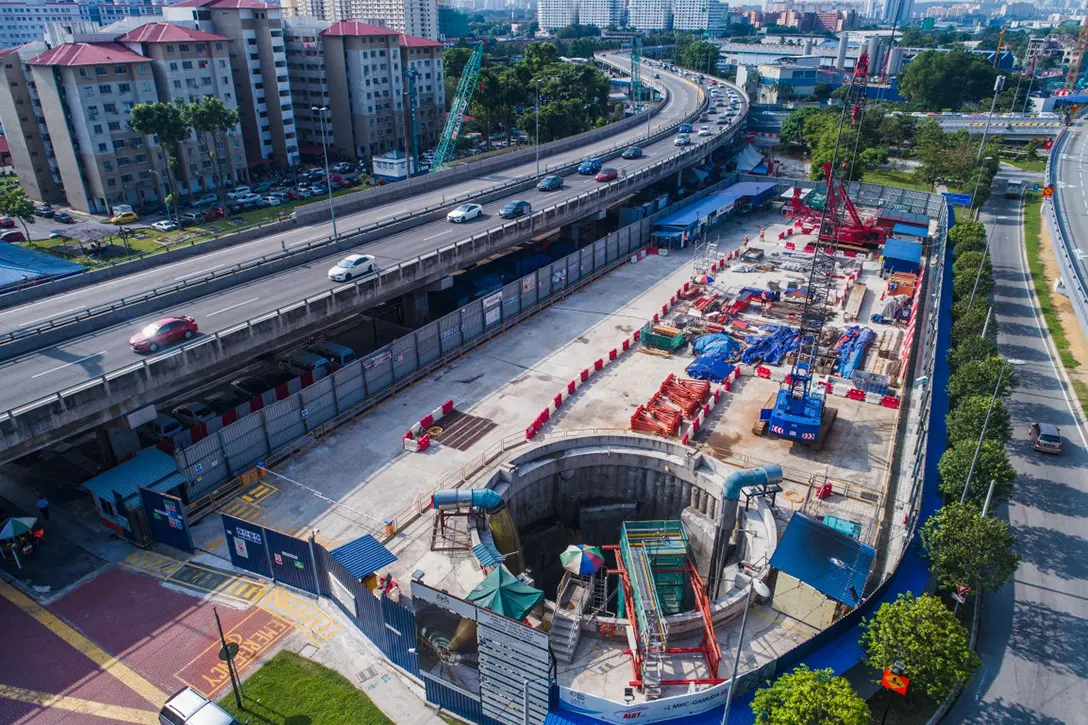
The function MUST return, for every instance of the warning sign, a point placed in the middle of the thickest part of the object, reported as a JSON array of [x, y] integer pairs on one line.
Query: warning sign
[[894, 682]]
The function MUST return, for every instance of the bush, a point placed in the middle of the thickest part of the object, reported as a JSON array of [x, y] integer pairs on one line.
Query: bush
[[966, 233], [968, 262], [965, 421], [980, 377], [992, 463], [965, 548], [964, 283], [970, 349], [969, 324]]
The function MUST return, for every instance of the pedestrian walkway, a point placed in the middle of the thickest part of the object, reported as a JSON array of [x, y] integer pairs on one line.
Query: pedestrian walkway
[[219, 583]]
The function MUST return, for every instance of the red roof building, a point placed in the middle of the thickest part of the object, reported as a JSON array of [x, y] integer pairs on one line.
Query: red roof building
[[414, 41], [226, 4], [346, 28], [167, 33], [76, 54]]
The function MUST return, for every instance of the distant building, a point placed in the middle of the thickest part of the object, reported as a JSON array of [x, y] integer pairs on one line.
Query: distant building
[[452, 23], [603, 13], [698, 15], [897, 11], [778, 82], [556, 14], [25, 22], [415, 17], [650, 14]]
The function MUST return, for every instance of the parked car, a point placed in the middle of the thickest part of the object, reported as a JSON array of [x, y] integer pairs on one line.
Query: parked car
[[163, 332], [238, 192], [6, 222], [44, 210], [338, 355], [343, 167], [516, 208], [1045, 437], [301, 362], [353, 265], [684, 128], [161, 428], [252, 385], [589, 167], [304, 192], [705, 131], [188, 707], [550, 183], [12, 236], [193, 413], [63, 217], [165, 225], [225, 400], [465, 212], [270, 200], [190, 218], [207, 199], [125, 217], [681, 140], [607, 175], [632, 152], [216, 212], [248, 201], [262, 187]]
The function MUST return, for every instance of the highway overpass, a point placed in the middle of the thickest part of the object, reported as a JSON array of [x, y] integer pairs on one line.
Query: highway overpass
[[92, 378]]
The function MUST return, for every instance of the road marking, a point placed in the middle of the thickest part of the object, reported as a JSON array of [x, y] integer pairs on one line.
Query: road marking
[[74, 362], [436, 236], [232, 307], [49, 317], [78, 642], [149, 562], [218, 583], [302, 614], [206, 674], [79, 705], [259, 493], [201, 271], [387, 216]]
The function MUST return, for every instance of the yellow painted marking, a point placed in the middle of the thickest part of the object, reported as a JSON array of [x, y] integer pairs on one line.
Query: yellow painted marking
[[259, 493], [78, 642], [79, 705], [303, 615], [218, 542], [149, 562]]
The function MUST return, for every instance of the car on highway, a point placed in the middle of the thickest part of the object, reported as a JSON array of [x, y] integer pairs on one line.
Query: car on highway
[[607, 175], [711, 110], [632, 152], [44, 210], [6, 222], [516, 208], [125, 217], [12, 236], [1045, 437], [589, 167], [193, 413], [681, 140], [353, 265], [657, 75], [163, 332], [704, 117], [685, 128], [705, 131], [465, 212], [722, 120], [165, 225], [550, 183], [161, 428]]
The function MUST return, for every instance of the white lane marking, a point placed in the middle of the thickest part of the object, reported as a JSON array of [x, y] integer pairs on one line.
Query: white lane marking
[[436, 236], [55, 314], [232, 307], [199, 272], [387, 216], [74, 362]]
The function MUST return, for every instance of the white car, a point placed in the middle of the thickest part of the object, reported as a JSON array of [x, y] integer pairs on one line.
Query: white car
[[271, 201], [165, 225], [353, 265], [209, 198], [193, 413], [238, 192], [704, 131], [681, 140], [465, 212]]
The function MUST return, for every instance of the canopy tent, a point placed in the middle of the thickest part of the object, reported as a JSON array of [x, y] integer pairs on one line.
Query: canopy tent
[[748, 159], [87, 231], [503, 593]]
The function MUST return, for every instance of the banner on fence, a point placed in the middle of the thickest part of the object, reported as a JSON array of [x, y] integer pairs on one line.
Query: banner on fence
[[247, 547], [667, 708], [446, 638]]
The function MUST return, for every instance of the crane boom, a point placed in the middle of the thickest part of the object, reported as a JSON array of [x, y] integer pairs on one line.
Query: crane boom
[[461, 101], [636, 73], [1073, 72]]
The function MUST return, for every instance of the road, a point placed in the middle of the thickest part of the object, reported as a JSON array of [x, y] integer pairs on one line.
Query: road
[[1069, 174], [1033, 638], [52, 369], [684, 98]]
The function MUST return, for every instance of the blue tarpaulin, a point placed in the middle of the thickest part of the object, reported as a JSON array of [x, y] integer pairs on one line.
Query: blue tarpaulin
[[770, 348], [902, 255], [716, 343], [828, 560], [20, 265], [910, 230], [712, 366], [851, 347]]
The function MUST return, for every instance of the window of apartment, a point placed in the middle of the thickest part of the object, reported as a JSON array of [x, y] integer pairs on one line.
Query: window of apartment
[[256, 71], [124, 88], [281, 79], [115, 125], [280, 64], [139, 158], [202, 64], [284, 94], [103, 148], [169, 49], [100, 70], [98, 128], [266, 129], [251, 41], [88, 91], [144, 175], [145, 87], [120, 70], [254, 56], [92, 112], [110, 183], [123, 161], [173, 65], [126, 178], [83, 72], [107, 165], [177, 84], [219, 46], [105, 90], [127, 106], [226, 96], [109, 107], [186, 65], [143, 67]]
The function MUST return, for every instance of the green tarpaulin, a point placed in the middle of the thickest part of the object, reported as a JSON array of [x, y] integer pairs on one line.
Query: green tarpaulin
[[505, 594]]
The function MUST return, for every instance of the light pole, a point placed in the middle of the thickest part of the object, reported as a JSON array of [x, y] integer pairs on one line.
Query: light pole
[[536, 86], [323, 111], [999, 84], [978, 180], [985, 423], [761, 588]]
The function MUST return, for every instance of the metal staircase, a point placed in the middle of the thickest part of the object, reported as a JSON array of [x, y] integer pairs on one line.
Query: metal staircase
[[652, 628], [565, 632]]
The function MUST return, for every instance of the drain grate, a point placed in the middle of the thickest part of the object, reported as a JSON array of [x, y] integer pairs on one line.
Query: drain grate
[[462, 431], [368, 674]]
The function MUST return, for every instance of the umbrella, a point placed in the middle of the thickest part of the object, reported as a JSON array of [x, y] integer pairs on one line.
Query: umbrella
[[582, 560], [503, 593], [17, 527], [703, 279]]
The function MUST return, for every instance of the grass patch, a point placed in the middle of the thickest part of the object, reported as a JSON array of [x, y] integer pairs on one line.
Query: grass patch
[[1033, 244], [290, 690], [894, 177], [1038, 165]]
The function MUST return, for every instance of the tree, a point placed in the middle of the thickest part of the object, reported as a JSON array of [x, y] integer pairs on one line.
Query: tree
[[898, 128], [980, 377], [212, 120], [965, 548], [970, 349], [700, 56], [969, 282], [969, 262], [166, 122], [969, 325], [455, 59], [966, 419], [992, 463], [539, 54], [809, 696], [939, 81], [793, 128], [926, 637], [15, 203], [966, 233]]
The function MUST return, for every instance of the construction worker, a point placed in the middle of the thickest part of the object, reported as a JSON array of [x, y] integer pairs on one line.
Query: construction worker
[[746, 240], [762, 232]]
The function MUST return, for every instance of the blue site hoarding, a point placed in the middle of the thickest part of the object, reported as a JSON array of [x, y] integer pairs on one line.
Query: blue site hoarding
[[166, 519]]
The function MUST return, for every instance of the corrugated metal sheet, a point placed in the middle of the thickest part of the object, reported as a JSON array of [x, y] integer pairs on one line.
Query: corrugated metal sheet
[[363, 557], [827, 560], [487, 555], [911, 231], [151, 468], [908, 251]]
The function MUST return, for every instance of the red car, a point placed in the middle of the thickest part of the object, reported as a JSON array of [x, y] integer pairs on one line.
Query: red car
[[6, 222], [216, 212], [607, 175], [163, 332], [12, 236]]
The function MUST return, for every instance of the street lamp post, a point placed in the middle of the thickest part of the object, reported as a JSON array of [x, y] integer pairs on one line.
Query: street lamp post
[[985, 423], [758, 586], [323, 111], [536, 85], [999, 84]]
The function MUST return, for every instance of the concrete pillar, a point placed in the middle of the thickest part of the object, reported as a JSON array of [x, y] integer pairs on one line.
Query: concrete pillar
[[808, 46], [840, 59], [895, 61], [415, 308]]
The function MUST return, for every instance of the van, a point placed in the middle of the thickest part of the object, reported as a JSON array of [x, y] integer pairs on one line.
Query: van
[[161, 428], [1013, 189], [188, 707], [337, 354], [300, 362]]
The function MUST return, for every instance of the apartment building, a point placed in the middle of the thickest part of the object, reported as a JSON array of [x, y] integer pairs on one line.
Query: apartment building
[[258, 62], [555, 14], [650, 14], [414, 17], [188, 64], [698, 15], [309, 83], [23, 119], [422, 65], [28, 21]]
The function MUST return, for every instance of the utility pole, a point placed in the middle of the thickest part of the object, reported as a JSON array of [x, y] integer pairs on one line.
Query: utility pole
[[227, 655]]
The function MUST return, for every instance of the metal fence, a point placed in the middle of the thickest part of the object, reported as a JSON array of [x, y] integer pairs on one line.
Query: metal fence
[[1076, 285]]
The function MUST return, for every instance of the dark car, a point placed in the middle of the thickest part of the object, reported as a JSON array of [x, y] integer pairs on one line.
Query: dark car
[[550, 183], [6, 222], [190, 218], [63, 217], [252, 385], [1045, 437], [607, 175], [224, 400], [590, 167], [516, 208], [44, 210], [163, 332], [632, 152]]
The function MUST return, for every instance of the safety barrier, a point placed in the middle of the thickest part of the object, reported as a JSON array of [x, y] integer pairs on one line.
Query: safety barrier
[[1076, 285], [418, 439]]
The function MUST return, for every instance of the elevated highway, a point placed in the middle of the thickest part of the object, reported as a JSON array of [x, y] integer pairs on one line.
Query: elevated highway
[[93, 378]]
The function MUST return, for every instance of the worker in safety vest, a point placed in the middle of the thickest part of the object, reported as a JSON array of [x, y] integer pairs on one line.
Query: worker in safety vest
[[746, 240], [761, 233]]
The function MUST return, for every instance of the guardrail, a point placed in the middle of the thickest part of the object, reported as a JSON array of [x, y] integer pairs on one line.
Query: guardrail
[[1076, 287], [57, 329]]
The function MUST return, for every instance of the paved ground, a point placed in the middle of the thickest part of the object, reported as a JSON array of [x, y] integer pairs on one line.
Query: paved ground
[[1033, 639]]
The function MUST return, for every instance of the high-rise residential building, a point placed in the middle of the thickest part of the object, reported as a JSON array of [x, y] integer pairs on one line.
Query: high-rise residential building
[[24, 122], [897, 11], [697, 15], [414, 17], [650, 14], [555, 14], [309, 83], [258, 62], [26, 21], [602, 13], [452, 23]]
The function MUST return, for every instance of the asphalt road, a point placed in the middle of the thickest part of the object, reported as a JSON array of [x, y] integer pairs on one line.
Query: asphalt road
[[685, 96], [1074, 194], [52, 369], [1033, 637]]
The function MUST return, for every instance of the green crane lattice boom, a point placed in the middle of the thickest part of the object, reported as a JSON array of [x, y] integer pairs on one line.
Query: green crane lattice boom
[[636, 73], [469, 78]]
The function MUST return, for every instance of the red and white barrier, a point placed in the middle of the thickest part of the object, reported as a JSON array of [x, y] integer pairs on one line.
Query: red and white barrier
[[417, 439], [704, 412]]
